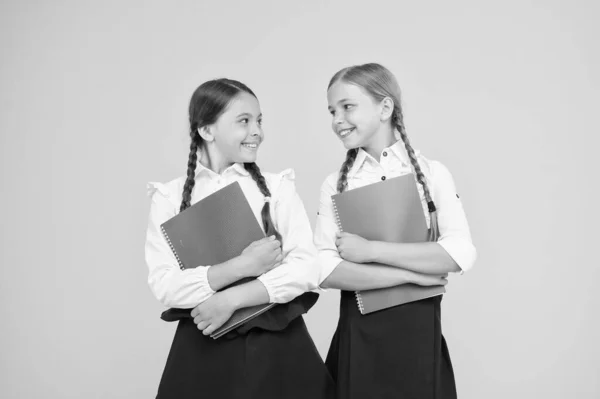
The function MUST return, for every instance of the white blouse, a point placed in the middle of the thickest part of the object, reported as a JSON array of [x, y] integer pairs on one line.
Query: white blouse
[[187, 288], [455, 236]]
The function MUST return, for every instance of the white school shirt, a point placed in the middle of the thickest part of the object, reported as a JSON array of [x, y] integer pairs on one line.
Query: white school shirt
[[187, 288], [455, 236]]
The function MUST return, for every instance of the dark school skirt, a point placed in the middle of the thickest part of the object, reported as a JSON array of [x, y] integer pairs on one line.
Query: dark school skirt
[[398, 352], [273, 356]]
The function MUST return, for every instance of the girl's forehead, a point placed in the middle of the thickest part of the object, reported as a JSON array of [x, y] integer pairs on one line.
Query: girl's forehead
[[341, 91], [243, 103]]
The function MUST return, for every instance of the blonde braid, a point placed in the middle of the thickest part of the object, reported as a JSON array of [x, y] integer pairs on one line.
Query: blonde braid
[[342, 183], [433, 225]]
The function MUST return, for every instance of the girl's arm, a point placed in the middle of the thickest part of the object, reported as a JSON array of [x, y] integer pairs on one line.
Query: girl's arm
[[337, 273], [426, 257], [296, 274], [351, 276], [172, 286], [214, 312], [453, 252], [298, 271]]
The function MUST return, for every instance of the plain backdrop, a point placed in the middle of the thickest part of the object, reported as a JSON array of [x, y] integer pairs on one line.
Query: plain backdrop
[[93, 104]]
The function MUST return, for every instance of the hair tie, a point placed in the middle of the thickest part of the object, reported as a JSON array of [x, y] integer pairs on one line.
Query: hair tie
[[267, 199], [431, 207]]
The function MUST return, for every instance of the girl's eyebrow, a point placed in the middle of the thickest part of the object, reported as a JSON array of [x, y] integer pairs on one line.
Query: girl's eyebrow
[[247, 114], [339, 102]]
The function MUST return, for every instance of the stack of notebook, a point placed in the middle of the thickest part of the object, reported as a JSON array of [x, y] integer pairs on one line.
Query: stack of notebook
[[212, 231], [389, 211]]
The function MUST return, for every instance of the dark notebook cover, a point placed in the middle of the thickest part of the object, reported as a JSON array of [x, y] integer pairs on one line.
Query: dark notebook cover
[[389, 211], [212, 231]]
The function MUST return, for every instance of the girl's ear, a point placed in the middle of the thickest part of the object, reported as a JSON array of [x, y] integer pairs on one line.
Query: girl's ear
[[206, 133], [387, 109]]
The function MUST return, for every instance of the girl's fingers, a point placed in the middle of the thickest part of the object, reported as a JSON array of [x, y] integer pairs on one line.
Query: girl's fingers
[[441, 281], [202, 325]]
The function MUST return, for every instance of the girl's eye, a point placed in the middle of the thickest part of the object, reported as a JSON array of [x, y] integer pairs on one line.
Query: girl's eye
[[259, 122], [348, 106], [244, 121], [332, 112]]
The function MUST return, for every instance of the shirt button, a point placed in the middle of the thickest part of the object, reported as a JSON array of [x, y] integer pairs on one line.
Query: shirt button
[[385, 154], [382, 177]]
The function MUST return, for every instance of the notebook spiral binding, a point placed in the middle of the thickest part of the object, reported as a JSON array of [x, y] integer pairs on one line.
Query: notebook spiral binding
[[359, 302], [337, 216], [172, 249]]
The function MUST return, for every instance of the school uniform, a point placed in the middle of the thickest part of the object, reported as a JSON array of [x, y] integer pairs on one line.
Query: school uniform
[[398, 352], [273, 356]]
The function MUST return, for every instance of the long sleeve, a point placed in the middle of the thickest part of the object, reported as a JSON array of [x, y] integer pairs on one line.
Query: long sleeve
[[455, 236], [325, 231], [172, 286], [298, 272]]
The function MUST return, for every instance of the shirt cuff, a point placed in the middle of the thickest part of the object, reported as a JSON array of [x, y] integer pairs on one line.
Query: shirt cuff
[[269, 286], [202, 274], [176, 288], [327, 267], [286, 283], [463, 252]]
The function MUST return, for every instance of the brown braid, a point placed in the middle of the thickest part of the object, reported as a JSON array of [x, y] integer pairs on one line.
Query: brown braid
[[265, 213], [342, 183], [190, 181]]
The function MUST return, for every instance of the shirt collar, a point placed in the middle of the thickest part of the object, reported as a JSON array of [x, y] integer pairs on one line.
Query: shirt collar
[[398, 149], [236, 167]]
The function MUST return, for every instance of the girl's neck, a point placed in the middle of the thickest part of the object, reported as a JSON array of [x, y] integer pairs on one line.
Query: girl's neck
[[213, 160], [384, 138]]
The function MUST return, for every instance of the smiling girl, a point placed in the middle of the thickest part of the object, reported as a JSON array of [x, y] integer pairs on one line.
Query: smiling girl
[[274, 358], [398, 352]]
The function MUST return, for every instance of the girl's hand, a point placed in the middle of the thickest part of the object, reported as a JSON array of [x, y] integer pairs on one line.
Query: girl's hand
[[354, 248], [263, 255], [214, 312]]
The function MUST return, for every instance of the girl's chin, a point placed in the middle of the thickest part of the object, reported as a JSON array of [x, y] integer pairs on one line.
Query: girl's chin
[[247, 158], [350, 144]]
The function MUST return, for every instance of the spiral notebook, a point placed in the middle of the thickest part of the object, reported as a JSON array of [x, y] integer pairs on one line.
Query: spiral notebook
[[213, 230], [390, 211]]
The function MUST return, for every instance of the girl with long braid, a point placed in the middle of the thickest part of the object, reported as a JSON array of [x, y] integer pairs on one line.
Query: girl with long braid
[[273, 355], [398, 352]]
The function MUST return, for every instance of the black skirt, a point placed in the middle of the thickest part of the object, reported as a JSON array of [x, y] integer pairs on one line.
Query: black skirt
[[272, 358], [398, 352]]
